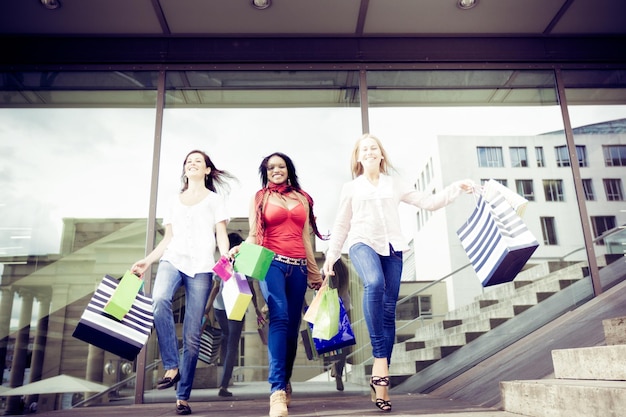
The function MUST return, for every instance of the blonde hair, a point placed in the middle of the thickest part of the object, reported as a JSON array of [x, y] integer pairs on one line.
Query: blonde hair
[[355, 165]]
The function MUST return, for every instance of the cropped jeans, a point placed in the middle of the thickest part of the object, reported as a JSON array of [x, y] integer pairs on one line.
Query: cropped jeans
[[283, 289], [380, 276], [197, 288]]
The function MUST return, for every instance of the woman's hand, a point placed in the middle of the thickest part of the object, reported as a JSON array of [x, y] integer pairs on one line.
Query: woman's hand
[[233, 251], [467, 185], [314, 281], [327, 269], [260, 318], [140, 267]]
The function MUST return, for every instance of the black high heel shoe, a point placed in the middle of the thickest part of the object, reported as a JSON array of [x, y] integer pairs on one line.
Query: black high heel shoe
[[380, 381], [167, 381]]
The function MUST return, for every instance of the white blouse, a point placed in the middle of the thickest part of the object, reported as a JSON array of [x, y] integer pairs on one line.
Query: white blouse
[[192, 247], [369, 213]]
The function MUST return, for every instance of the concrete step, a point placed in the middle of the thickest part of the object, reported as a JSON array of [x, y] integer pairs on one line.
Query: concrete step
[[564, 398], [421, 355], [472, 309], [435, 329], [408, 368], [500, 310], [599, 363], [615, 331], [454, 339], [551, 282]]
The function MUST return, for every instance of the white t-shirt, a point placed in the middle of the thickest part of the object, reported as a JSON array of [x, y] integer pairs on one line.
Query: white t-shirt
[[369, 213], [192, 247]]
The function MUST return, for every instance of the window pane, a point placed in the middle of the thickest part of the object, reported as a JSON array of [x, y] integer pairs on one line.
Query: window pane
[[490, 156], [518, 157], [479, 141], [548, 231], [247, 116], [539, 156], [597, 110], [525, 189], [614, 155], [588, 188], [553, 190], [601, 224], [78, 213], [613, 189]]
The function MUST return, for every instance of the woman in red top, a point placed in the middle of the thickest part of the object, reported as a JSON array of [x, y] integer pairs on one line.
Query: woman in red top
[[281, 219]]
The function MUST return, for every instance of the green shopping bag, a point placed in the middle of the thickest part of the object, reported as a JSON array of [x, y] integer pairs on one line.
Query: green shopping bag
[[326, 323], [253, 260], [124, 295]]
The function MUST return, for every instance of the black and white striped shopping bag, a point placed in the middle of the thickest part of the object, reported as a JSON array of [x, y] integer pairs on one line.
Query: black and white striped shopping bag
[[124, 337]]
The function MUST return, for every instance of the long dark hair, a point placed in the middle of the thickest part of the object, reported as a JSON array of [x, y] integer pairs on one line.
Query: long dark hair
[[216, 179], [292, 177]]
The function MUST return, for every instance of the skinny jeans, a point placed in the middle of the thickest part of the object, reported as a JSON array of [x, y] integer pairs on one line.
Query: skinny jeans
[[283, 290], [380, 276], [197, 288]]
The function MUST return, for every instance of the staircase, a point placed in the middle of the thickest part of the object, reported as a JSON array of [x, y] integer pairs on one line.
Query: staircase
[[494, 307], [588, 382]]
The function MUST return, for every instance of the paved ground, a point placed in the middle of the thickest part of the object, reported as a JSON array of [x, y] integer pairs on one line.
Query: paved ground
[[309, 399]]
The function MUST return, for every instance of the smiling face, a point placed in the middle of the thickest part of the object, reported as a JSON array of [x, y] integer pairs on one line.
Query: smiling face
[[277, 172], [195, 166], [370, 155]]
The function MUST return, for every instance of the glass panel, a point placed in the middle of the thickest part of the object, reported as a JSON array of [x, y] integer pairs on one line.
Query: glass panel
[[597, 108], [75, 198], [82, 89], [477, 125], [255, 89], [238, 119]]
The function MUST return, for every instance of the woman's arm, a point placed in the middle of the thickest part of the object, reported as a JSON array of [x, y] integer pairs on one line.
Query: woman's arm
[[441, 199], [314, 277], [142, 265]]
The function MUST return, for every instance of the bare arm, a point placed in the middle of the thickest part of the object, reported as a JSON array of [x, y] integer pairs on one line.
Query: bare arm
[[142, 265]]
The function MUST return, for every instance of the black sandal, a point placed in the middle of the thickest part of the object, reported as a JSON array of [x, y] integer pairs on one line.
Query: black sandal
[[380, 381]]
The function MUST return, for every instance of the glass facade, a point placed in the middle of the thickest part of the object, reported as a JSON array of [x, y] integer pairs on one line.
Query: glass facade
[[90, 158]]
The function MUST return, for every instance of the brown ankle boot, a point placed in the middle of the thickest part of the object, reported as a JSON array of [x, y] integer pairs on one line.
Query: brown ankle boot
[[278, 404]]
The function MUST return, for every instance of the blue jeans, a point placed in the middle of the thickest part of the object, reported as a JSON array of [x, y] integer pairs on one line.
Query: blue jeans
[[283, 289], [231, 335], [380, 276], [168, 280]]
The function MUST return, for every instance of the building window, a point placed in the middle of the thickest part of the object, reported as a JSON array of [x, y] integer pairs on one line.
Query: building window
[[525, 189], [614, 155], [562, 156], [504, 182], [588, 188], [548, 231], [601, 224], [418, 306], [553, 190], [519, 157], [541, 161], [613, 189], [490, 156]]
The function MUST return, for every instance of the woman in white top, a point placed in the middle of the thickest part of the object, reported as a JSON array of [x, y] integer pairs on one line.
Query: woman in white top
[[194, 225], [368, 221]]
